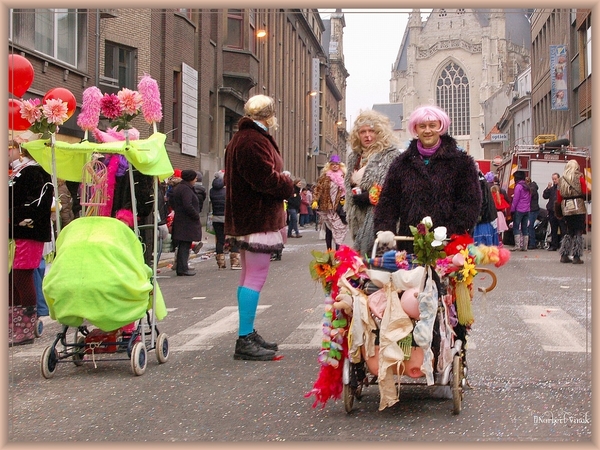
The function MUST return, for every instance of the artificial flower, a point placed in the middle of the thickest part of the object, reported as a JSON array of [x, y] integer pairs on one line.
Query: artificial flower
[[44, 118], [30, 110], [439, 236], [428, 244], [374, 194], [131, 101], [90, 109], [56, 111], [111, 106], [151, 105]]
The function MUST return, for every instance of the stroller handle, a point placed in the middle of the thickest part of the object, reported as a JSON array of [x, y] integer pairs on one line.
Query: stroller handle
[[396, 238]]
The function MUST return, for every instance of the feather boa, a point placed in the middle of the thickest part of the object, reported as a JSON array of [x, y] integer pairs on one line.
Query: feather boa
[[334, 349]]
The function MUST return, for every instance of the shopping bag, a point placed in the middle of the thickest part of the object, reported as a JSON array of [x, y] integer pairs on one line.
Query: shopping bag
[[210, 229]]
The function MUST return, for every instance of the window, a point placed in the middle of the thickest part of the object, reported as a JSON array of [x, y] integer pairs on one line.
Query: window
[[60, 34], [235, 26], [177, 107], [187, 12], [452, 95], [252, 34], [56, 33], [120, 65], [588, 49]]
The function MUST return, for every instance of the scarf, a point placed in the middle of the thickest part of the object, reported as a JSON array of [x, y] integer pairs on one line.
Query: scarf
[[338, 178], [428, 152]]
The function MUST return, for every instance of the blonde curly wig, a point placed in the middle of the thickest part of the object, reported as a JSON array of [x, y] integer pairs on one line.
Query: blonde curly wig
[[384, 134]]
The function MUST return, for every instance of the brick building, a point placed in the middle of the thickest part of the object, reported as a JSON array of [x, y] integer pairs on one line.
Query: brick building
[[207, 62]]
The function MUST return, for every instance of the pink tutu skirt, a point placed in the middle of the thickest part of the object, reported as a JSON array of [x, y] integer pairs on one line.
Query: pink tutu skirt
[[266, 242]]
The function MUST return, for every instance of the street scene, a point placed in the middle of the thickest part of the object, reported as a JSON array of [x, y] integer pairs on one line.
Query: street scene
[[250, 225], [529, 358]]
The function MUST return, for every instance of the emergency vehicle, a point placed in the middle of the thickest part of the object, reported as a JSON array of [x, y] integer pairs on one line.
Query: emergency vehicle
[[539, 161]]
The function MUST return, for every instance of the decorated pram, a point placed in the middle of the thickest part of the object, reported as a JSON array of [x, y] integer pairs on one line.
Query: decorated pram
[[99, 277], [399, 315]]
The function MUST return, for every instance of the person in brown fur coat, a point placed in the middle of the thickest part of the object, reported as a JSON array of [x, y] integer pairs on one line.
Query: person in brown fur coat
[[254, 214]]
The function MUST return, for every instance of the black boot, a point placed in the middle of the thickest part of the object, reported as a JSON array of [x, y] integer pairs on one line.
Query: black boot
[[246, 348], [261, 342]]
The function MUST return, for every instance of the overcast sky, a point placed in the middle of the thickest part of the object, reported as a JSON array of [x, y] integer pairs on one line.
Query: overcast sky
[[372, 38]]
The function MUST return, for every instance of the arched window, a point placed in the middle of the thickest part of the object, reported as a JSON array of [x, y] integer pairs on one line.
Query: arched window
[[452, 95]]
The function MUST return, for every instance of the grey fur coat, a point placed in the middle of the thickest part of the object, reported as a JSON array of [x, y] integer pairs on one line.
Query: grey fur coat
[[360, 218]]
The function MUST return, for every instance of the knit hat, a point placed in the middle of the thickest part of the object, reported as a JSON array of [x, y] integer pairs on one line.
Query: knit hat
[[199, 177], [489, 177], [334, 159], [220, 174], [188, 175]]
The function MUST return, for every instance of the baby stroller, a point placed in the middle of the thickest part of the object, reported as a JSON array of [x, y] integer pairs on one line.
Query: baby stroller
[[99, 276], [407, 321], [542, 230]]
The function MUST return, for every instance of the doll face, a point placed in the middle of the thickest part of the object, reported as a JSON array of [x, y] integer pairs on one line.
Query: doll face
[[13, 153], [427, 132]]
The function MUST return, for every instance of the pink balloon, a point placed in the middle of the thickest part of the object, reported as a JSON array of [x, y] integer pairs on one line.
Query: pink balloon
[[410, 304], [20, 75]]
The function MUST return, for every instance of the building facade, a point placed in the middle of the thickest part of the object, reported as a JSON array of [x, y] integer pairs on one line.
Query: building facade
[[568, 31], [457, 59], [207, 63]]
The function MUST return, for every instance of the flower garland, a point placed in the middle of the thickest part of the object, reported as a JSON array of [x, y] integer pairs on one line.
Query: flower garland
[[327, 268]]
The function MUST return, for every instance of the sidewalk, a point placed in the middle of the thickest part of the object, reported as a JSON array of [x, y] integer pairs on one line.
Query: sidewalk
[[206, 252]]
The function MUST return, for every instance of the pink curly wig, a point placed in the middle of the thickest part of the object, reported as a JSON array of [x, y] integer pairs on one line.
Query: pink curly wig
[[427, 113]]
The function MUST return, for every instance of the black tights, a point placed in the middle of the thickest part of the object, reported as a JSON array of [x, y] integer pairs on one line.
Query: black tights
[[329, 239]]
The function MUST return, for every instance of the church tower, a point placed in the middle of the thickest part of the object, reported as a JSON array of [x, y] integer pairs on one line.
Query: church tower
[[457, 59]]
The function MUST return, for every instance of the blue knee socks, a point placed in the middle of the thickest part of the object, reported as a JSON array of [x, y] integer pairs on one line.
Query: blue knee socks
[[247, 304]]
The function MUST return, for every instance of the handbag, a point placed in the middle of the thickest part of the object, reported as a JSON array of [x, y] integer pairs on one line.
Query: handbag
[[572, 206], [210, 229]]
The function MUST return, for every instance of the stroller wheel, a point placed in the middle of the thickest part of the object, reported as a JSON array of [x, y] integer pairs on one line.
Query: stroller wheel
[[39, 328], [457, 384], [348, 398], [138, 358], [49, 361], [162, 348]]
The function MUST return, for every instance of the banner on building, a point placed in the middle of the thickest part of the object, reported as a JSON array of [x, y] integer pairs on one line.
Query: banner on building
[[558, 77]]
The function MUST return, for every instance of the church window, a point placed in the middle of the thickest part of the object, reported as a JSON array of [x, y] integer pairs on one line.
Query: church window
[[452, 95]]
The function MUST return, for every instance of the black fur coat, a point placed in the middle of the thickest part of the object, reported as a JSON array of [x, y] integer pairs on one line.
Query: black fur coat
[[446, 189]]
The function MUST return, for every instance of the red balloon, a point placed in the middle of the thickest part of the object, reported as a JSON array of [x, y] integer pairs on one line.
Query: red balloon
[[63, 94], [15, 121], [20, 75]]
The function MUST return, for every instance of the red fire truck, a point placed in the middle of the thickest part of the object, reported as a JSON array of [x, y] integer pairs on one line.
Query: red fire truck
[[541, 160]]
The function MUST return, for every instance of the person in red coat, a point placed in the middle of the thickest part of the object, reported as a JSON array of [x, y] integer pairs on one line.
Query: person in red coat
[[254, 214]]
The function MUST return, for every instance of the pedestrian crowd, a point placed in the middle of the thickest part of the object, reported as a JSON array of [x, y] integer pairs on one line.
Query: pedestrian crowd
[[255, 206]]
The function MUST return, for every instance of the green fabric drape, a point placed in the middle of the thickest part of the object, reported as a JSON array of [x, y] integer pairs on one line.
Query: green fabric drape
[[149, 156]]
